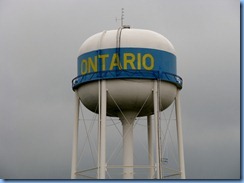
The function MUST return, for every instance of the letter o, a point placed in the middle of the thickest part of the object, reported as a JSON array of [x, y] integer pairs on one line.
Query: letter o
[[150, 58]]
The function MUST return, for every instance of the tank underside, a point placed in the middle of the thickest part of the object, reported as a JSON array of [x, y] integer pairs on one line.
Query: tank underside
[[134, 95]]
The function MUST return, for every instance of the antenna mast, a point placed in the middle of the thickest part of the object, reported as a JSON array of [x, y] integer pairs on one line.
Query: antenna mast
[[122, 17]]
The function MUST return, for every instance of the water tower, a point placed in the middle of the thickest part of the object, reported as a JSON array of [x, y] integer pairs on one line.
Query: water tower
[[127, 73]]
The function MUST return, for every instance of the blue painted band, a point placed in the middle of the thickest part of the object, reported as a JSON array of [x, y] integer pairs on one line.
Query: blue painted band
[[126, 58], [115, 63]]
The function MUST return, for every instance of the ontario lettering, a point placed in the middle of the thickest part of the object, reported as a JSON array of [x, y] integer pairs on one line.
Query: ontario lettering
[[103, 62]]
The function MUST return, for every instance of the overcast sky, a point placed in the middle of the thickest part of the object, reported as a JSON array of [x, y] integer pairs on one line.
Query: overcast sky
[[39, 42]]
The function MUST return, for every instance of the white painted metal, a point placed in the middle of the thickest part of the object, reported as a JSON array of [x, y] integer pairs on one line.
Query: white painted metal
[[156, 121], [128, 100], [75, 137], [180, 136], [99, 131], [127, 119], [130, 38], [99, 116], [150, 146], [130, 95], [102, 113]]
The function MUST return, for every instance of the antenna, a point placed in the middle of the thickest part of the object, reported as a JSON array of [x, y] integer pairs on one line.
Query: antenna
[[121, 18]]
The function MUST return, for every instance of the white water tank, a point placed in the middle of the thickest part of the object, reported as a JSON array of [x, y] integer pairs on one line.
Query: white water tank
[[129, 60]]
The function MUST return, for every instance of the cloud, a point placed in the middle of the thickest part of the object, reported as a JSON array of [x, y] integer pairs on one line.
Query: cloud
[[39, 47]]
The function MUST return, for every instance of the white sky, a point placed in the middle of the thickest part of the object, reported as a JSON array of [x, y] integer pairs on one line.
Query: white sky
[[39, 46]]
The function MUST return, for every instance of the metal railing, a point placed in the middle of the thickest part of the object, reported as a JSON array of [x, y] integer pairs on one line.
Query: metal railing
[[127, 74]]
